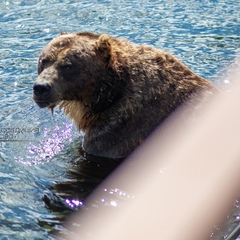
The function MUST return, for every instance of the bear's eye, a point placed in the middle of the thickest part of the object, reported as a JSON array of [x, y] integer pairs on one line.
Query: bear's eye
[[66, 66], [42, 64]]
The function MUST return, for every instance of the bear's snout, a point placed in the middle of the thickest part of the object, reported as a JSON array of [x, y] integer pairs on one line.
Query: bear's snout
[[41, 89], [42, 94]]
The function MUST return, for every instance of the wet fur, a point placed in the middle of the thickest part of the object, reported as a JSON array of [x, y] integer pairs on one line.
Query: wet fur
[[116, 92]]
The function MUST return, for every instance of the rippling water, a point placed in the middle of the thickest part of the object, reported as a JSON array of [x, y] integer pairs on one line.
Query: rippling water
[[34, 174]]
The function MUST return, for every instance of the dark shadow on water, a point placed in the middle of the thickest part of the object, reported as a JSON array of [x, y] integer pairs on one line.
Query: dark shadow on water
[[67, 197]]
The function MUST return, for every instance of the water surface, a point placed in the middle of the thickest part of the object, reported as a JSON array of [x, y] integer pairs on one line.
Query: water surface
[[42, 178]]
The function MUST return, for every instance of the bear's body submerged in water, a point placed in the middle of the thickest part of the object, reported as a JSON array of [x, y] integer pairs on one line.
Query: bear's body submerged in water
[[115, 91]]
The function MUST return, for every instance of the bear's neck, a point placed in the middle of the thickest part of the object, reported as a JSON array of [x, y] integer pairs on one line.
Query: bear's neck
[[79, 113]]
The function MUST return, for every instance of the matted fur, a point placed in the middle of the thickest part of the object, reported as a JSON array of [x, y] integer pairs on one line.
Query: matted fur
[[76, 111]]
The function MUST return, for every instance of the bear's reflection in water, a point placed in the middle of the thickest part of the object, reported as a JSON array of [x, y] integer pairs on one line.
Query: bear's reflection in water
[[67, 197]]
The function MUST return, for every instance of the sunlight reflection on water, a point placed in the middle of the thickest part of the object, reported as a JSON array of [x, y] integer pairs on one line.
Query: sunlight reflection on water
[[51, 143]]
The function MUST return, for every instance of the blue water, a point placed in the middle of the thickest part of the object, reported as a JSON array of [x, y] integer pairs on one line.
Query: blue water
[[204, 34]]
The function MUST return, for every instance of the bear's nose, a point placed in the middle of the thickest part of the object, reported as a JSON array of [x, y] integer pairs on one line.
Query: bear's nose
[[41, 90]]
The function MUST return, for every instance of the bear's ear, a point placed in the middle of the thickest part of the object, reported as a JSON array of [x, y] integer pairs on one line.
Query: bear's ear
[[104, 46]]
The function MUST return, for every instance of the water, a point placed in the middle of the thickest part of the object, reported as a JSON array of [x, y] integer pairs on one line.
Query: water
[[43, 178]]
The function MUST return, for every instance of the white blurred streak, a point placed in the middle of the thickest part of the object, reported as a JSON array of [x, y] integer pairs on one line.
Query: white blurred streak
[[198, 187]]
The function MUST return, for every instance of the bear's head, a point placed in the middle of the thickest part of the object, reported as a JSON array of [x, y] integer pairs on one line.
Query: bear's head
[[78, 67], [71, 67]]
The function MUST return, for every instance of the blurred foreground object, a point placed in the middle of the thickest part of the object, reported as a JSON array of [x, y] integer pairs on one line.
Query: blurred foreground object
[[185, 178]]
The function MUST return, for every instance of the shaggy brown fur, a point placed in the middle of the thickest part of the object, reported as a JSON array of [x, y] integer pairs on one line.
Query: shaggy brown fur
[[115, 91]]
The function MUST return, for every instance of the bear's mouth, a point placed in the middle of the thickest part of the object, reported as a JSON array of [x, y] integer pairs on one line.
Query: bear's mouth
[[51, 107], [44, 104]]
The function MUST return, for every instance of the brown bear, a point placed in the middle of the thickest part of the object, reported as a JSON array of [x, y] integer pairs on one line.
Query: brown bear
[[116, 92]]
